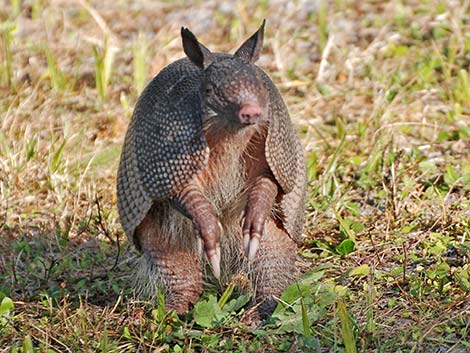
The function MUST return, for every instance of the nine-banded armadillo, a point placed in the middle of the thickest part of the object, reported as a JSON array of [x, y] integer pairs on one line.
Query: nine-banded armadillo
[[211, 161]]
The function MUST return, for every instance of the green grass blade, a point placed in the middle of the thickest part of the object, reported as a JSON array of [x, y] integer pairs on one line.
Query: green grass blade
[[226, 295], [305, 321], [58, 80], [346, 327], [139, 52], [7, 29], [99, 72]]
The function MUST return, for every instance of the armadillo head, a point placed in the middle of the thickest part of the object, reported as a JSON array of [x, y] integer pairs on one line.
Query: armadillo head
[[234, 94]]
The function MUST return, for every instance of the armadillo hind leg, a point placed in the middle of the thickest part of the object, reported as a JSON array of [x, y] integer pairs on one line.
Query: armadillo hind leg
[[178, 274], [168, 266], [274, 267]]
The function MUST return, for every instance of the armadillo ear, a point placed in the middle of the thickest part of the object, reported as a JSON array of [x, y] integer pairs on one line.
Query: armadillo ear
[[251, 49], [195, 51]]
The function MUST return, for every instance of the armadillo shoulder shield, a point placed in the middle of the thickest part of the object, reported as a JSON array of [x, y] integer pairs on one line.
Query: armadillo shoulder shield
[[164, 145], [284, 154]]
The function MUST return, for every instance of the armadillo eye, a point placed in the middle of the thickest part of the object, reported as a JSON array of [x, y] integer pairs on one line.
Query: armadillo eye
[[209, 90]]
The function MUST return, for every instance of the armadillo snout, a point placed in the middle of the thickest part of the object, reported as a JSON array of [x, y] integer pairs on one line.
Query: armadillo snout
[[250, 113]]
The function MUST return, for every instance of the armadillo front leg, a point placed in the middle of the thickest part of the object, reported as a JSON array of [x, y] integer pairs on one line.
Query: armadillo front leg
[[259, 204], [196, 206]]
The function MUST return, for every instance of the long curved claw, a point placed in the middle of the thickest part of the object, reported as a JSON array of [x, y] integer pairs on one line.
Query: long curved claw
[[251, 244], [254, 244], [214, 259], [259, 205], [246, 242], [214, 255], [196, 205], [252, 230], [211, 234]]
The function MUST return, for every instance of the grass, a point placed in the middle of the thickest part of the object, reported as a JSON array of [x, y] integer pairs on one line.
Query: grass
[[380, 94], [7, 74], [104, 58]]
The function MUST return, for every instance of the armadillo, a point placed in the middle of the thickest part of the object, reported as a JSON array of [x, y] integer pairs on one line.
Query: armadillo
[[212, 175]]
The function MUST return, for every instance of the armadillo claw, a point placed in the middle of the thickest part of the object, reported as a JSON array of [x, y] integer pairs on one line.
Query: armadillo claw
[[211, 240], [214, 259], [246, 242], [254, 244]]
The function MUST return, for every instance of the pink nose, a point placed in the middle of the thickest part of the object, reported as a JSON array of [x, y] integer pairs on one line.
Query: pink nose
[[250, 113]]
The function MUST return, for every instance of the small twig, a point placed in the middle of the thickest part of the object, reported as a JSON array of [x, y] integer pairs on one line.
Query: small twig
[[324, 58], [101, 224], [16, 264], [293, 348], [394, 191], [118, 243], [405, 123], [46, 334], [405, 261], [106, 233], [4, 216]]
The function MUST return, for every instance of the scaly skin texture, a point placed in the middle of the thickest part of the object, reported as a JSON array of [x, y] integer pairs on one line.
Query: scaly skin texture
[[211, 182]]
